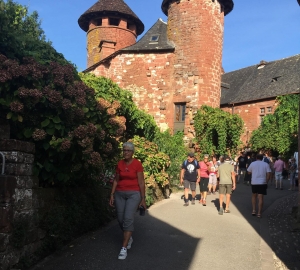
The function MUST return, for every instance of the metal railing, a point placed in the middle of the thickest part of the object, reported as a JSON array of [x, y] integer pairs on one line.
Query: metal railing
[[3, 163]]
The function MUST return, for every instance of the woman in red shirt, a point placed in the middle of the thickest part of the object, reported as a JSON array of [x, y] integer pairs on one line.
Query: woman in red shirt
[[128, 193], [204, 178]]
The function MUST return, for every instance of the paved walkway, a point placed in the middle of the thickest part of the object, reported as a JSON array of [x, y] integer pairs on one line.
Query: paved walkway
[[173, 237]]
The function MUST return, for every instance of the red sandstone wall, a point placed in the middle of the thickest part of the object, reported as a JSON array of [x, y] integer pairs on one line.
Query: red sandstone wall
[[149, 78], [122, 37], [196, 27], [251, 115]]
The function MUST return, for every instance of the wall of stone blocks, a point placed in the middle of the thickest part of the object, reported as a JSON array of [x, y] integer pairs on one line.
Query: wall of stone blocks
[[18, 204]]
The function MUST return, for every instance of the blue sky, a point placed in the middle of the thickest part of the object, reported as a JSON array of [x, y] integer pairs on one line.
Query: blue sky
[[255, 30]]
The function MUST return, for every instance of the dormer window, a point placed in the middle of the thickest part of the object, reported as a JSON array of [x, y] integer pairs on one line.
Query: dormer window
[[275, 79], [154, 38], [262, 64]]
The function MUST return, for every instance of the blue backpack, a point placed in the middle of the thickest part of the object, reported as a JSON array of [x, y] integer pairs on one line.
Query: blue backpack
[[195, 161]]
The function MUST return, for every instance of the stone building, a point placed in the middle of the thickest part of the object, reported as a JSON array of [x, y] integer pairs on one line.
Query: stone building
[[176, 67], [173, 69], [251, 92]]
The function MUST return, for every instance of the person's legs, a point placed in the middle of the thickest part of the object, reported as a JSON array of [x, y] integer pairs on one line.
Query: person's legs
[[214, 183], [277, 174], [193, 188], [260, 204], [132, 203], [186, 184], [254, 197], [221, 198], [227, 201], [203, 188], [222, 192], [210, 184], [280, 180], [120, 203]]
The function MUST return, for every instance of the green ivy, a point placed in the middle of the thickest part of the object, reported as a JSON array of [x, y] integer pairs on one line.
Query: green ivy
[[278, 132], [217, 132]]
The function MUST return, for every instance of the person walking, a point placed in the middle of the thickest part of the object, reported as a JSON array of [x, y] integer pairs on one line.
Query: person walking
[[278, 167], [242, 167], [261, 174], [212, 183], [189, 176], [204, 178], [292, 172], [227, 183], [127, 194]]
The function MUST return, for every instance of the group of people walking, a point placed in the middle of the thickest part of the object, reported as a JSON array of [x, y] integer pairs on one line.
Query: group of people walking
[[128, 188], [256, 170]]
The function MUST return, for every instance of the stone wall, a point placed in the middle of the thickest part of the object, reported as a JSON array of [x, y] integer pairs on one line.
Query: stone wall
[[35, 221], [19, 232]]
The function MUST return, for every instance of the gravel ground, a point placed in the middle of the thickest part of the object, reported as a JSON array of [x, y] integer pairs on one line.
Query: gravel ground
[[285, 240]]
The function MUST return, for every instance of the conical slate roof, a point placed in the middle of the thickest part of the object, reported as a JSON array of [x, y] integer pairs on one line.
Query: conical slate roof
[[227, 4], [109, 7]]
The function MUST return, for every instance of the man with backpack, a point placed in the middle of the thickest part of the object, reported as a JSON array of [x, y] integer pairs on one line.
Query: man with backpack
[[189, 176]]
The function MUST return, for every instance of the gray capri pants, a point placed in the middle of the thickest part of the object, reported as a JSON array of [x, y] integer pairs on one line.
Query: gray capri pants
[[127, 203]]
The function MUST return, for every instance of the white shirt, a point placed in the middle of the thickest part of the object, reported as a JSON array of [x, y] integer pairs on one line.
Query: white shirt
[[259, 170]]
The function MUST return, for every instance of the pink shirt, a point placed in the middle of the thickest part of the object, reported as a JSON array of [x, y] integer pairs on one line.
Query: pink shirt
[[203, 170], [279, 165]]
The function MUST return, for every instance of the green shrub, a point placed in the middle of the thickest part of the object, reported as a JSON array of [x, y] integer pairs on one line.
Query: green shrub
[[173, 146]]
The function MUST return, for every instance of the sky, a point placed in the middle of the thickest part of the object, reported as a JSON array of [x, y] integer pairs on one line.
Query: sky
[[255, 30]]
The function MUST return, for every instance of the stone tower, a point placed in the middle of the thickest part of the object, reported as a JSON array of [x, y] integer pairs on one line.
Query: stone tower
[[196, 28], [110, 26]]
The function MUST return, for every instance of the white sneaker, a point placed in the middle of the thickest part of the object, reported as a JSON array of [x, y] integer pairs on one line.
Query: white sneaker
[[123, 254], [129, 243]]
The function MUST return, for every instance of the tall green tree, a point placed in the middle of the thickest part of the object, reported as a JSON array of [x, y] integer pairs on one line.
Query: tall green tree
[[279, 131], [217, 131], [21, 35]]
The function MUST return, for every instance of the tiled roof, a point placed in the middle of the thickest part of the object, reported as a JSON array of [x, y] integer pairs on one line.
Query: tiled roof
[[109, 7], [262, 81], [149, 43], [227, 4]]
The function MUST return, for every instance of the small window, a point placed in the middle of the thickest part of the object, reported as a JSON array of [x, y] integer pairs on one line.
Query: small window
[[154, 38], [98, 22], [179, 112], [114, 21], [262, 110], [269, 109]]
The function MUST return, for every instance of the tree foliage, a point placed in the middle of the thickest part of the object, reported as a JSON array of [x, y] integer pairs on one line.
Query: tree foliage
[[217, 131], [279, 131], [75, 135], [173, 146], [141, 123], [22, 35]]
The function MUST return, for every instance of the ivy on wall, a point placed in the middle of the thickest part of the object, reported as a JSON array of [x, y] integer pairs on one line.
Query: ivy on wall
[[217, 132], [278, 132]]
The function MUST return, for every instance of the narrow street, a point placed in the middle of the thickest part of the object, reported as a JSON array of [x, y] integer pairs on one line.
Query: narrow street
[[172, 236]]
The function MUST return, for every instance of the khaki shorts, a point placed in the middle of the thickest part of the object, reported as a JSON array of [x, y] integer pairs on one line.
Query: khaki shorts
[[225, 189]]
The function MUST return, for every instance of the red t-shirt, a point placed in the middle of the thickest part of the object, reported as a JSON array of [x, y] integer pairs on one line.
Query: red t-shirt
[[128, 179], [204, 170]]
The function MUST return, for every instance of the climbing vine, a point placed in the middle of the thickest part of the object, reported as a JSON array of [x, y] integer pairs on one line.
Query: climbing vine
[[217, 132], [279, 131]]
